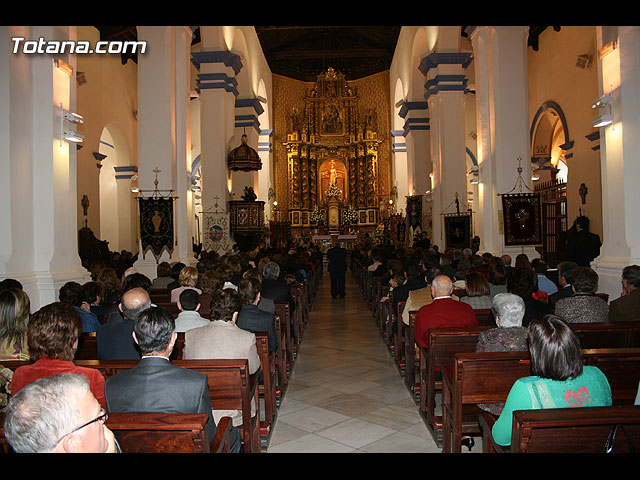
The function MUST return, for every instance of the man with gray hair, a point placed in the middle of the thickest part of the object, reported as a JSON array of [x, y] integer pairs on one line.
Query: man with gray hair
[[58, 414], [114, 339], [443, 311], [627, 307], [273, 288]]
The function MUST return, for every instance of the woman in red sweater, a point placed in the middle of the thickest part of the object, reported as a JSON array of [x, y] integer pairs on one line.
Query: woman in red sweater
[[52, 337]]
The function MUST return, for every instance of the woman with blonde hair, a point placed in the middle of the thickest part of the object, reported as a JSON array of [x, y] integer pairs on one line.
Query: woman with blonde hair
[[188, 278], [14, 318]]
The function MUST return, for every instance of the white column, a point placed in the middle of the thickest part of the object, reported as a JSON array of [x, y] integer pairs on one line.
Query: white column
[[163, 138], [502, 105], [265, 176], [216, 84], [619, 74], [445, 84], [39, 243]]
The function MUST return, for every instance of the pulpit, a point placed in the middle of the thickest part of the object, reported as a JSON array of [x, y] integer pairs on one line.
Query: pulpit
[[247, 222]]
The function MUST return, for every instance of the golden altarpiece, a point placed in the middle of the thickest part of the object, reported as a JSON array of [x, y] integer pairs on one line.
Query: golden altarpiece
[[332, 160]]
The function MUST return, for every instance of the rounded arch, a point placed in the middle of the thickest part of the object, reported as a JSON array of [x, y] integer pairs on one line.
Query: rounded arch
[[550, 141], [420, 47], [117, 204]]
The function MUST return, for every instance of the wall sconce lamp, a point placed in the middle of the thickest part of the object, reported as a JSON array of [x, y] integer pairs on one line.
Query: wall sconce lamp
[[603, 119], [607, 49], [70, 135], [475, 177], [63, 66]]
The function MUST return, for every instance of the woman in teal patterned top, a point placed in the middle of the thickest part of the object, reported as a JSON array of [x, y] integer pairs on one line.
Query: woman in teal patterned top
[[559, 378]]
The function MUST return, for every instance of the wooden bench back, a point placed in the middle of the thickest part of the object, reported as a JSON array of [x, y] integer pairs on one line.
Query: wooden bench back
[[574, 430], [608, 334], [160, 432], [487, 377]]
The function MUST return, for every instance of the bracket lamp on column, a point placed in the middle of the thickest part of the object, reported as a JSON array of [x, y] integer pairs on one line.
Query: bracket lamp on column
[[475, 178], [70, 135], [603, 119]]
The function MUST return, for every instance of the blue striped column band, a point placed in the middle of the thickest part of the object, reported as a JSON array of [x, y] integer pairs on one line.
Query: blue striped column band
[[266, 145], [451, 58], [449, 83], [224, 56], [205, 81], [250, 103], [126, 172], [398, 141], [248, 121], [413, 124], [410, 106]]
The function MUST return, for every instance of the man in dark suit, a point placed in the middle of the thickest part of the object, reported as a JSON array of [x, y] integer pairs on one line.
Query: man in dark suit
[[157, 386], [583, 247], [273, 288], [114, 338], [250, 317], [337, 267], [627, 307], [565, 269]]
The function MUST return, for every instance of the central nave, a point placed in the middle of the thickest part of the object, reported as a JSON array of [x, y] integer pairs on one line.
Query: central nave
[[345, 393]]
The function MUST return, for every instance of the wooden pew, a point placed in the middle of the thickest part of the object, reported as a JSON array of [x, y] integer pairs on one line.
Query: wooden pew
[[281, 359], [159, 433], [411, 354], [487, 377], [87, 347], [267, 388], [566, 430], [444, 343], [608, 334], [167, 433], [230, 386], [398, 338], [282, 310], [380, 307]]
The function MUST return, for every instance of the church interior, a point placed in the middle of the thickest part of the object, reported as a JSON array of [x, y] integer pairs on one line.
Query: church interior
[[178, 140]]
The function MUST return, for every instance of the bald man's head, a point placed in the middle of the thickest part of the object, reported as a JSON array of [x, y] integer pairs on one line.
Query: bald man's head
[[134, 302], [441, 286]]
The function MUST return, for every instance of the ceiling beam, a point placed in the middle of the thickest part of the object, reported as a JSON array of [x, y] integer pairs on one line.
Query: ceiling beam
[[330, 54]]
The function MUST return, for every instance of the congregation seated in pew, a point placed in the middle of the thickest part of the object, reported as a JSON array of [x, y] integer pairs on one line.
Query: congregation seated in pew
[[58, 414], [559, 380], [583, 306], [52, 336], [189, 305], [154, 385], [222, 339]]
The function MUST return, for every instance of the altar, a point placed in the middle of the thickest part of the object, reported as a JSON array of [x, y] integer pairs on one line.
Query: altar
[[333, 177]]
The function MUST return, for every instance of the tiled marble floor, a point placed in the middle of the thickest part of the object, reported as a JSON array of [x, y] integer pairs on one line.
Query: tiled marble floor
[[345, 392]]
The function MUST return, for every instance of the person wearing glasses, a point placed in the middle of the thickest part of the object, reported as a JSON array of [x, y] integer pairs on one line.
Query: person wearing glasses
[[58, 414]]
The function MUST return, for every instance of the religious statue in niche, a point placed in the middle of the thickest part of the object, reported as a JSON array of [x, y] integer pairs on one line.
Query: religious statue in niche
[[294, 120], [249, 195]]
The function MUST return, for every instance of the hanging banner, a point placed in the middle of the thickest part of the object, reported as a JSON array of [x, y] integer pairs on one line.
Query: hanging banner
[[216, 232], [457, 230], [156, 225], [521, 216]]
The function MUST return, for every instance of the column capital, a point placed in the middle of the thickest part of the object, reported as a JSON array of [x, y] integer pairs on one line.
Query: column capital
[[229, 59], [444, 58]]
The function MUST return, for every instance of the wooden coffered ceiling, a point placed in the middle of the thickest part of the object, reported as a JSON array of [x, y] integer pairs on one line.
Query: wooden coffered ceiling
[[303, 52]]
